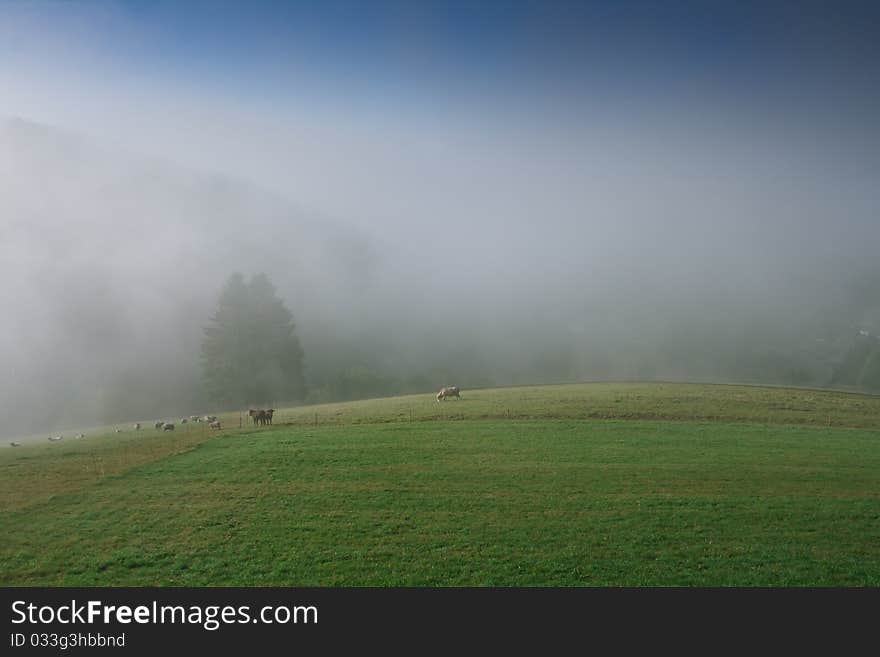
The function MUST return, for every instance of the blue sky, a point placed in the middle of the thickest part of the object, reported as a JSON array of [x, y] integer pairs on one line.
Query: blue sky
[[424, 53], [385, 113]]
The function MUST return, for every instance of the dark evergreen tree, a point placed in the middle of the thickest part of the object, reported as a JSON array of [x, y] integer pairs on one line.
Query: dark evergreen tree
[[251, 354]]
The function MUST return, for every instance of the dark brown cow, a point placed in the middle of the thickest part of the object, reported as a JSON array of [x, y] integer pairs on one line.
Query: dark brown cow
[[261, 416]]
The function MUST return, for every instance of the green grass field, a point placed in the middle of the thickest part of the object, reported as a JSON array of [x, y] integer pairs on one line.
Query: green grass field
[[590, 484]]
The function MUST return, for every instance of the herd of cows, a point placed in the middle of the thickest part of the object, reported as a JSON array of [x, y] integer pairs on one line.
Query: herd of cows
[[161, 425], [212, 421], [260, 416]]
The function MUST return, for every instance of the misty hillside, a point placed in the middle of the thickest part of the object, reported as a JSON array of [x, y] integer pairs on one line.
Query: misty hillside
[[111, 265]]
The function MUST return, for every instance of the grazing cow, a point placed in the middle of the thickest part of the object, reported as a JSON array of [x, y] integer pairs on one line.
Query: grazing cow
[[80, 435], [214, 425], [209, 418], [168, 427], [449, 391], [183, 420], [15, 444], [55, 438], [194, 418]]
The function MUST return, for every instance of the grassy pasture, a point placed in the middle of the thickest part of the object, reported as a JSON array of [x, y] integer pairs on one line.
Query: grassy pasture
[[674, 402], [595, 484]]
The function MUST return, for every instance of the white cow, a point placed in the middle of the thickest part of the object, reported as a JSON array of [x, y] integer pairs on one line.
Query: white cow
[[449, 391]]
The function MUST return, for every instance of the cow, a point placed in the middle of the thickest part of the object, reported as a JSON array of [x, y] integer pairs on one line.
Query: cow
[[119, 431], [137, 426], [159, 424], [168, 427], [55, 438], [209, 418], [268, 415], [183, 420], [80, 435], [15, 444], [214, 425], [194, 418], [449, 391]]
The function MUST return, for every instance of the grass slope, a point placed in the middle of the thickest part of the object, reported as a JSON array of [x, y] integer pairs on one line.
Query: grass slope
[[676, 402], [368, 497]]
